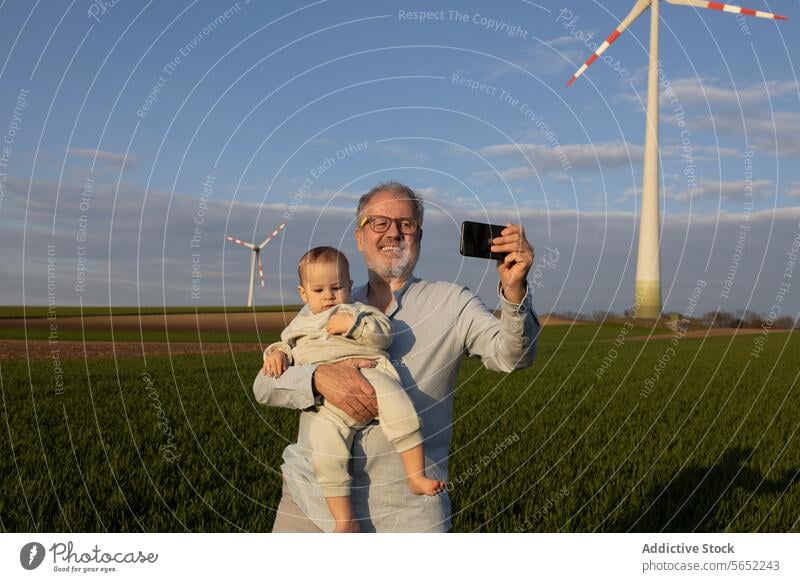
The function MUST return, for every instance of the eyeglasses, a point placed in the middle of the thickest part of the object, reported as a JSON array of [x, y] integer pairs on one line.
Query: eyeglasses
[[380, 224]]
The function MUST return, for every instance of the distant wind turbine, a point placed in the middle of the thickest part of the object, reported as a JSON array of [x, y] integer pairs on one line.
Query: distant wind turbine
[[255, 259], [648, 263]]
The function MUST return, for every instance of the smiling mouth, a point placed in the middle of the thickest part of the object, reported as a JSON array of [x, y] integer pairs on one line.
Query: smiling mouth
[[392, 249]]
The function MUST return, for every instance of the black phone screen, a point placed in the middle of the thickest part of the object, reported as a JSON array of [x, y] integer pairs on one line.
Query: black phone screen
[[476, 240]]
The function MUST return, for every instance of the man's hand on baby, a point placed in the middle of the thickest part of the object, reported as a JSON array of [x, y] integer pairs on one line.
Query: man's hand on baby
[[344, 386], [275, 364], [339, 323]]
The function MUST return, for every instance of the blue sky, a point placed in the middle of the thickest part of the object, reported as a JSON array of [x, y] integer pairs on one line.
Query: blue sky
[[144, 101]]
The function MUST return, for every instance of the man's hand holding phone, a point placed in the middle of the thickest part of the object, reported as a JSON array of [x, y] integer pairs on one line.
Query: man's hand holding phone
[[513, 269], [509, 246]]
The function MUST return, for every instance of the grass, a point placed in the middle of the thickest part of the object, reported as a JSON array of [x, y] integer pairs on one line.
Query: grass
[[713, 446], [40, 311], [708, 449], [95, 335]]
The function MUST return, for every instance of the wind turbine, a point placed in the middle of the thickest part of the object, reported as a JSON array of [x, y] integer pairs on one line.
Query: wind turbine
[[648, 263], [255, 258]]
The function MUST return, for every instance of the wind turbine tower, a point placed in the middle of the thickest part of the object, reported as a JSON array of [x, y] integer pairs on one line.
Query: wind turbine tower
[[255, 260], [647, 298]]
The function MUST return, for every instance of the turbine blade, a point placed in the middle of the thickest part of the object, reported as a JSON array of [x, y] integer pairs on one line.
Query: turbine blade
[[728, 8], [260, 271], [638, 8], [270, 237], [241, 242]]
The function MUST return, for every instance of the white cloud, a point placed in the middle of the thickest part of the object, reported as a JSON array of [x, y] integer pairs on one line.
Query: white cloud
[[583, 157], [400, 151], [702, 152], [518, 173], [770, 135], [709, 92], [737, 190], [702, 90], [153, 265], [751, 113], [556, 56], [328, 195], [110, 159]]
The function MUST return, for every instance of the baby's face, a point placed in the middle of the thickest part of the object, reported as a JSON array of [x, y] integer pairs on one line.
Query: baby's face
[[325, 285]]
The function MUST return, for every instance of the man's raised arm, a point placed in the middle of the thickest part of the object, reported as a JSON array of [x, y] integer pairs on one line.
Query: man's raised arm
[[508, 344], [503, 345]]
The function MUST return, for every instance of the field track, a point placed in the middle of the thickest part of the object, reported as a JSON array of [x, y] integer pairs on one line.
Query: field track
[[234, 322], [246, 322], [42, 350]]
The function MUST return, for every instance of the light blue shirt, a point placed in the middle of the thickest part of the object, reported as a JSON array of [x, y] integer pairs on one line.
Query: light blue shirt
[[434, 326]]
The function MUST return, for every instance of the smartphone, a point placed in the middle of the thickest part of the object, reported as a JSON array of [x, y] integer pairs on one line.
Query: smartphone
[[476, 240]]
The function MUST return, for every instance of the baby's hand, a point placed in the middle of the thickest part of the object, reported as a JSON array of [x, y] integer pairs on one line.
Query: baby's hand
[[275, 364], [339, 323]]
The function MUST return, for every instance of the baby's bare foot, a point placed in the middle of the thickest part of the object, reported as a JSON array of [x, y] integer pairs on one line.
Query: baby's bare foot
[[421, 485]]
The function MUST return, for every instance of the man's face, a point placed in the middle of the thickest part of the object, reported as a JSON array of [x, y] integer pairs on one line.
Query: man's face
[[390, 254]]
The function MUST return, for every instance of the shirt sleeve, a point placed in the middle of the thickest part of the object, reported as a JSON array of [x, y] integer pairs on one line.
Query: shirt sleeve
[[504, 344], [294, 388]]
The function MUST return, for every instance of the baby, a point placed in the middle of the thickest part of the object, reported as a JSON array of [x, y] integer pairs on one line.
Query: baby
[[336, 330]]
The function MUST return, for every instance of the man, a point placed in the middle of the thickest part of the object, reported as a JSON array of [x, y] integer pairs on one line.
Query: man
[[434, 325]]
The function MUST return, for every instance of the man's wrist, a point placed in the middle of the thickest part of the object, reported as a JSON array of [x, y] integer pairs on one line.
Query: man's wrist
[[514, 293], [314, 390]]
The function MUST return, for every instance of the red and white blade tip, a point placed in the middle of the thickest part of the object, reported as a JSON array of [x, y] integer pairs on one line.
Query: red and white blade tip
[[746, 11], [639, 8], [730, 8], [239, 242], [600, 50], [271, 236]]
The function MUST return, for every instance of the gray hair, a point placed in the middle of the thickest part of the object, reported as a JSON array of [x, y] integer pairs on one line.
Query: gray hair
[[399, 191]]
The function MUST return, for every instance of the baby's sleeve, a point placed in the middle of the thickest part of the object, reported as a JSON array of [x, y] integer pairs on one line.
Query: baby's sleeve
[[282, 346], [288, 340], [370, 326]]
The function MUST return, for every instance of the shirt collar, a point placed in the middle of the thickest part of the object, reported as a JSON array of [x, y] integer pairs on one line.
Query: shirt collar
[[360, 294]]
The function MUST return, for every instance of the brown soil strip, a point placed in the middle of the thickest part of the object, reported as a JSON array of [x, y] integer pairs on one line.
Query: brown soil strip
[[261, 323], [248, 322], [716, 332], [255, 323], [43, 350]]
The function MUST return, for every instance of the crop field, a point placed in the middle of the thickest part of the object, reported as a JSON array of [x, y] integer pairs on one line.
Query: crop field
[[38, 311], [692, 434], [77, 335]]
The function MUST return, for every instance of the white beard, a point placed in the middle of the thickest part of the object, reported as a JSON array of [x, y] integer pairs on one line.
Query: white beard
[[397, 268]]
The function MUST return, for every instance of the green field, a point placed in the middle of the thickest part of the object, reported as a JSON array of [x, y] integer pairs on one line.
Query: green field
[[711, 446], [38, 311], [96, 335]]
